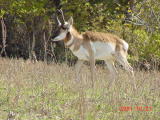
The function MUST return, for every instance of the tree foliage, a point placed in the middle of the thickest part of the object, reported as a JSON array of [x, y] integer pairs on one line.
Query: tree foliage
[[136, 21]]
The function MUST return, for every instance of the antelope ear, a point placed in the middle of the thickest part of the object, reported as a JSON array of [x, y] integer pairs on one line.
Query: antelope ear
[[70, 21]]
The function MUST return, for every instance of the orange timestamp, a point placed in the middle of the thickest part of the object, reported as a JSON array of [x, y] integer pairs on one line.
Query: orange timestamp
[[135, 108]]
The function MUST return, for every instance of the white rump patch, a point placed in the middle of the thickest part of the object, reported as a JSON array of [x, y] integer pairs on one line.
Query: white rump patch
[[125, 45]]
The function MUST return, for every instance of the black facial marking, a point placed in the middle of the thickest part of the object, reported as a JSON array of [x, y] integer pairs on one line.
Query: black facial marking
[[68, 35], [63, 27]]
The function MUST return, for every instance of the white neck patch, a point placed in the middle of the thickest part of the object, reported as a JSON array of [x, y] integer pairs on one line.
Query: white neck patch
[[70, 41]]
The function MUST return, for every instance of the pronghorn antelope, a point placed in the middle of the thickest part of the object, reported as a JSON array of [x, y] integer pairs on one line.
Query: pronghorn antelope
[[93, 46]]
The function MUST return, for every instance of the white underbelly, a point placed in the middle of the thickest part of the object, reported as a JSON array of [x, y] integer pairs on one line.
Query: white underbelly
[[81, 53], [102, 51]]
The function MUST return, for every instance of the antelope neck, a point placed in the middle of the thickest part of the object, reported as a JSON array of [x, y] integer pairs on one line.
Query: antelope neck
[[74, 40]]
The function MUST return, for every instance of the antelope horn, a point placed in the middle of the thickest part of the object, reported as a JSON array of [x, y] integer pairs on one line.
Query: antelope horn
[[59, 23], [62, 14]]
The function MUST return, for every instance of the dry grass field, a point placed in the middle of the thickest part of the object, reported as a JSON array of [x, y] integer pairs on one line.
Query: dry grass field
[[37, 91]]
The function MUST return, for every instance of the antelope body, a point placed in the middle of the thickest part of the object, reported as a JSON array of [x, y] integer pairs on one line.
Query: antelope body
[[93, 46]]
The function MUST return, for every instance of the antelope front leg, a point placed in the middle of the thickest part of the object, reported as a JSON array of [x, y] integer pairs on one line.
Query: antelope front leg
[[113, 72], [91, 58], [92, 68], [77, 69]]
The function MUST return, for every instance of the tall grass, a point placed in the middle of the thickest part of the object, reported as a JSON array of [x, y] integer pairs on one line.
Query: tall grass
[[37, 91]]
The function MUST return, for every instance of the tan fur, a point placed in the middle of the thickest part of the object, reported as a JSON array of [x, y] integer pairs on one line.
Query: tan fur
[[94, 36], [68, 37], [99, 36], [104, 37], [78, 39], [79, 44], [85, 38]]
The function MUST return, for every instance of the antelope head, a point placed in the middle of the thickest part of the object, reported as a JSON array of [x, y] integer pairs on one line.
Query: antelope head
[[63, 28]]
